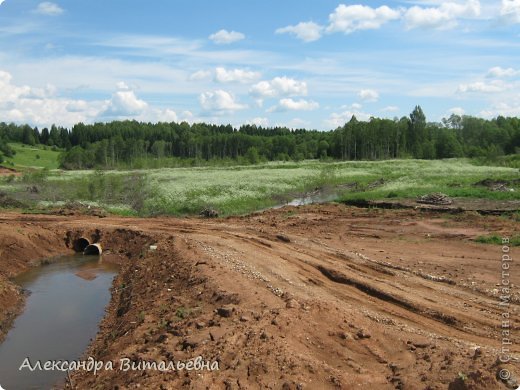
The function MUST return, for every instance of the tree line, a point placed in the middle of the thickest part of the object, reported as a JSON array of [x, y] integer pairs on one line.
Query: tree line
[[135, 144]]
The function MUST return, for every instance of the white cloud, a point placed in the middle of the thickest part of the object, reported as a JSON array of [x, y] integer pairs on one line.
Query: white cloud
[[287, 86], [166, 115], [154, 115], [199, 75], [457, 111], [224, 37], [480, 86], [499, 72], [263, 89], [41, 106], [219, 101], [10, 93], [296, 123], [187, 115], [77, 106], [510, 10], [306, 31], [353, 106], [44, 107], [279, 86], [510, 108], [150, 45], [348, 19], [124, 103], [390, 109], [122, 85], [442, 17], [337, 119], [48, 8], [1, 1], [223, 75], [368, 95], [289, 104], [258, 121]]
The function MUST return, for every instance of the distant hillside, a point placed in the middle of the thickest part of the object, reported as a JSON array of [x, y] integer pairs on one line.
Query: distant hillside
[[27, 156]]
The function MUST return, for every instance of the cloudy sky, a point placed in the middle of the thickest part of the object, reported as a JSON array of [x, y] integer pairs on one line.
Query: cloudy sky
[[298, 63]]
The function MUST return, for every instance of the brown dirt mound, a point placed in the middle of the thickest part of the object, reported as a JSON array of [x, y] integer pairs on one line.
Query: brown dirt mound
[[77, 208], [459, 205]]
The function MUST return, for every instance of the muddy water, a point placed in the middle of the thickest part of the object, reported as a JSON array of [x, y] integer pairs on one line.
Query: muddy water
[[318, 197], [66, 303]]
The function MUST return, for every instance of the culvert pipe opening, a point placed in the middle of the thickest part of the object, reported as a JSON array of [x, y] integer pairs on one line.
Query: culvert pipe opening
[[93, 249], [81, 244]]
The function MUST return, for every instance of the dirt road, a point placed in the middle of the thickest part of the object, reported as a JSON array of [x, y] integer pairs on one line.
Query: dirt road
[[314, 297]]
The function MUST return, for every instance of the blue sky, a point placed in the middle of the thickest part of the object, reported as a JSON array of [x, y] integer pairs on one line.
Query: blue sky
[[310, 64]]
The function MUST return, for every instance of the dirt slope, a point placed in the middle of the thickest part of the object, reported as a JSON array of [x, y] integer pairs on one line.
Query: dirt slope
[[315, 297]]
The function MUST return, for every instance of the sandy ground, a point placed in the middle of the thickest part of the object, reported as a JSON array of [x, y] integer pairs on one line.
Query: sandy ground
[[316, 297]]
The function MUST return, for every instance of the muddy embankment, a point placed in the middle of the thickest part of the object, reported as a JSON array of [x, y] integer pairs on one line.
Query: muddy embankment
[[25, 244], [22, 245], [314, 297]]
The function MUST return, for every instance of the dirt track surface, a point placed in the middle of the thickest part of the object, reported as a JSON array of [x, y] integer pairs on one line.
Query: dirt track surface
[[315, 297]]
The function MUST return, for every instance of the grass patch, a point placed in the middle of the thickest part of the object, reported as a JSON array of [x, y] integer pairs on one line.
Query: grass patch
[[38, 156], [454, 177], [495, 239], [512, 161]]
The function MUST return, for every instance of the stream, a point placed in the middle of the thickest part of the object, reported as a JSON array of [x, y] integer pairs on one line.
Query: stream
[[67, 301]]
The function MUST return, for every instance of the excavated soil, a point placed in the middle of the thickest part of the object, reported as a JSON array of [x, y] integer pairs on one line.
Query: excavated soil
[[315, 297], [4, 171], [455, 205]]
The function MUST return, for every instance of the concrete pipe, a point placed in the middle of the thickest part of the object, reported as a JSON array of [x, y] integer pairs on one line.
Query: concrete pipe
[[93, 249], [80, 244]]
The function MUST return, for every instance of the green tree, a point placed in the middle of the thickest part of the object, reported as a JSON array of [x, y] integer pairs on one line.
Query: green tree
[[54, 137], [417, 131], [252, 155], [45, 136], [158, 149], [101, 153], [323, 147], [447, 145], [28, 136]]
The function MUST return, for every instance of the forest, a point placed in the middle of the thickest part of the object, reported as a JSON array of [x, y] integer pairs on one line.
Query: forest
[[131, 144]]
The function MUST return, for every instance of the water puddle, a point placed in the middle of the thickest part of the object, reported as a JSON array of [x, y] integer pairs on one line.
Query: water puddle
[[66, 303]]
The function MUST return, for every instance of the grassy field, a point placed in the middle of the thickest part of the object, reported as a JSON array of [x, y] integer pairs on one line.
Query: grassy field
[[242, 189], [32, 157], [454, 177]]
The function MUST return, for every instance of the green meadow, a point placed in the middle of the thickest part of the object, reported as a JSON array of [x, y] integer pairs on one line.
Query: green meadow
[[28, 157], [243, 189]]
